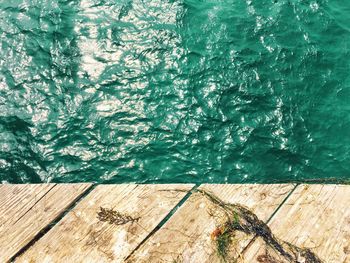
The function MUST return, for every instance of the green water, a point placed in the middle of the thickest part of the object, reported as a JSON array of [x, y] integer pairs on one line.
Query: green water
[[174, 90]]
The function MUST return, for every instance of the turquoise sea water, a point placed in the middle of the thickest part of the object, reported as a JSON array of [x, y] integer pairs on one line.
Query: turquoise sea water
[[174, 90]]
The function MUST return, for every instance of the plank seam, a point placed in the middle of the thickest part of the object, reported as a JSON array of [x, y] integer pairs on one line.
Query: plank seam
[[282, 203], [53, 223], [271, 216], [34, 204], [164, 220]]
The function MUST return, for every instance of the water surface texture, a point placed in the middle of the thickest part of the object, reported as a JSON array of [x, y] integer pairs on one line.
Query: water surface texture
[[174, 90]]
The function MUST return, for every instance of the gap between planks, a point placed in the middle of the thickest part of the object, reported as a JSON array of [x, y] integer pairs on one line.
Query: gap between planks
[[49, 226], [185, 237], [28, 209], [81, 230], [60, 217]]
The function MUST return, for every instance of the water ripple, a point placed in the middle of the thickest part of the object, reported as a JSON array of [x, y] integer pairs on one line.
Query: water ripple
[[174, 91]]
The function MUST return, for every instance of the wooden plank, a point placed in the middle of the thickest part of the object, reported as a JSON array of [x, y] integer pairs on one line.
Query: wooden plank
[[15, 200], [82, 237], [315, 217], [27, 209], [186, 237]]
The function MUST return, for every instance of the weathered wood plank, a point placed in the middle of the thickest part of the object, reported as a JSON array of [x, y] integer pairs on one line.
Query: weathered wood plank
[[15, 200], [186, 237], [81, 237], [27, 209], [314, 216]]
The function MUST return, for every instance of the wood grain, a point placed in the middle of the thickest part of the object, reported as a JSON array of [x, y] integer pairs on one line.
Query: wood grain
[[27, 209], [81, 237], [315, 217], [186, 237]]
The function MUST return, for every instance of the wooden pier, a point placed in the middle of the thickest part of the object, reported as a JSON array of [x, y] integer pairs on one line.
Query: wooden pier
[[169, 223]]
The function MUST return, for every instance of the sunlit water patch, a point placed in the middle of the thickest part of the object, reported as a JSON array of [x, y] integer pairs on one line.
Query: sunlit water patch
[[174, 91]]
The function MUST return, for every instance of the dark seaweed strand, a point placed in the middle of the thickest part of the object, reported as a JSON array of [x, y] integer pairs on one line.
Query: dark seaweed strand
[[242, 219], [115, 217]]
